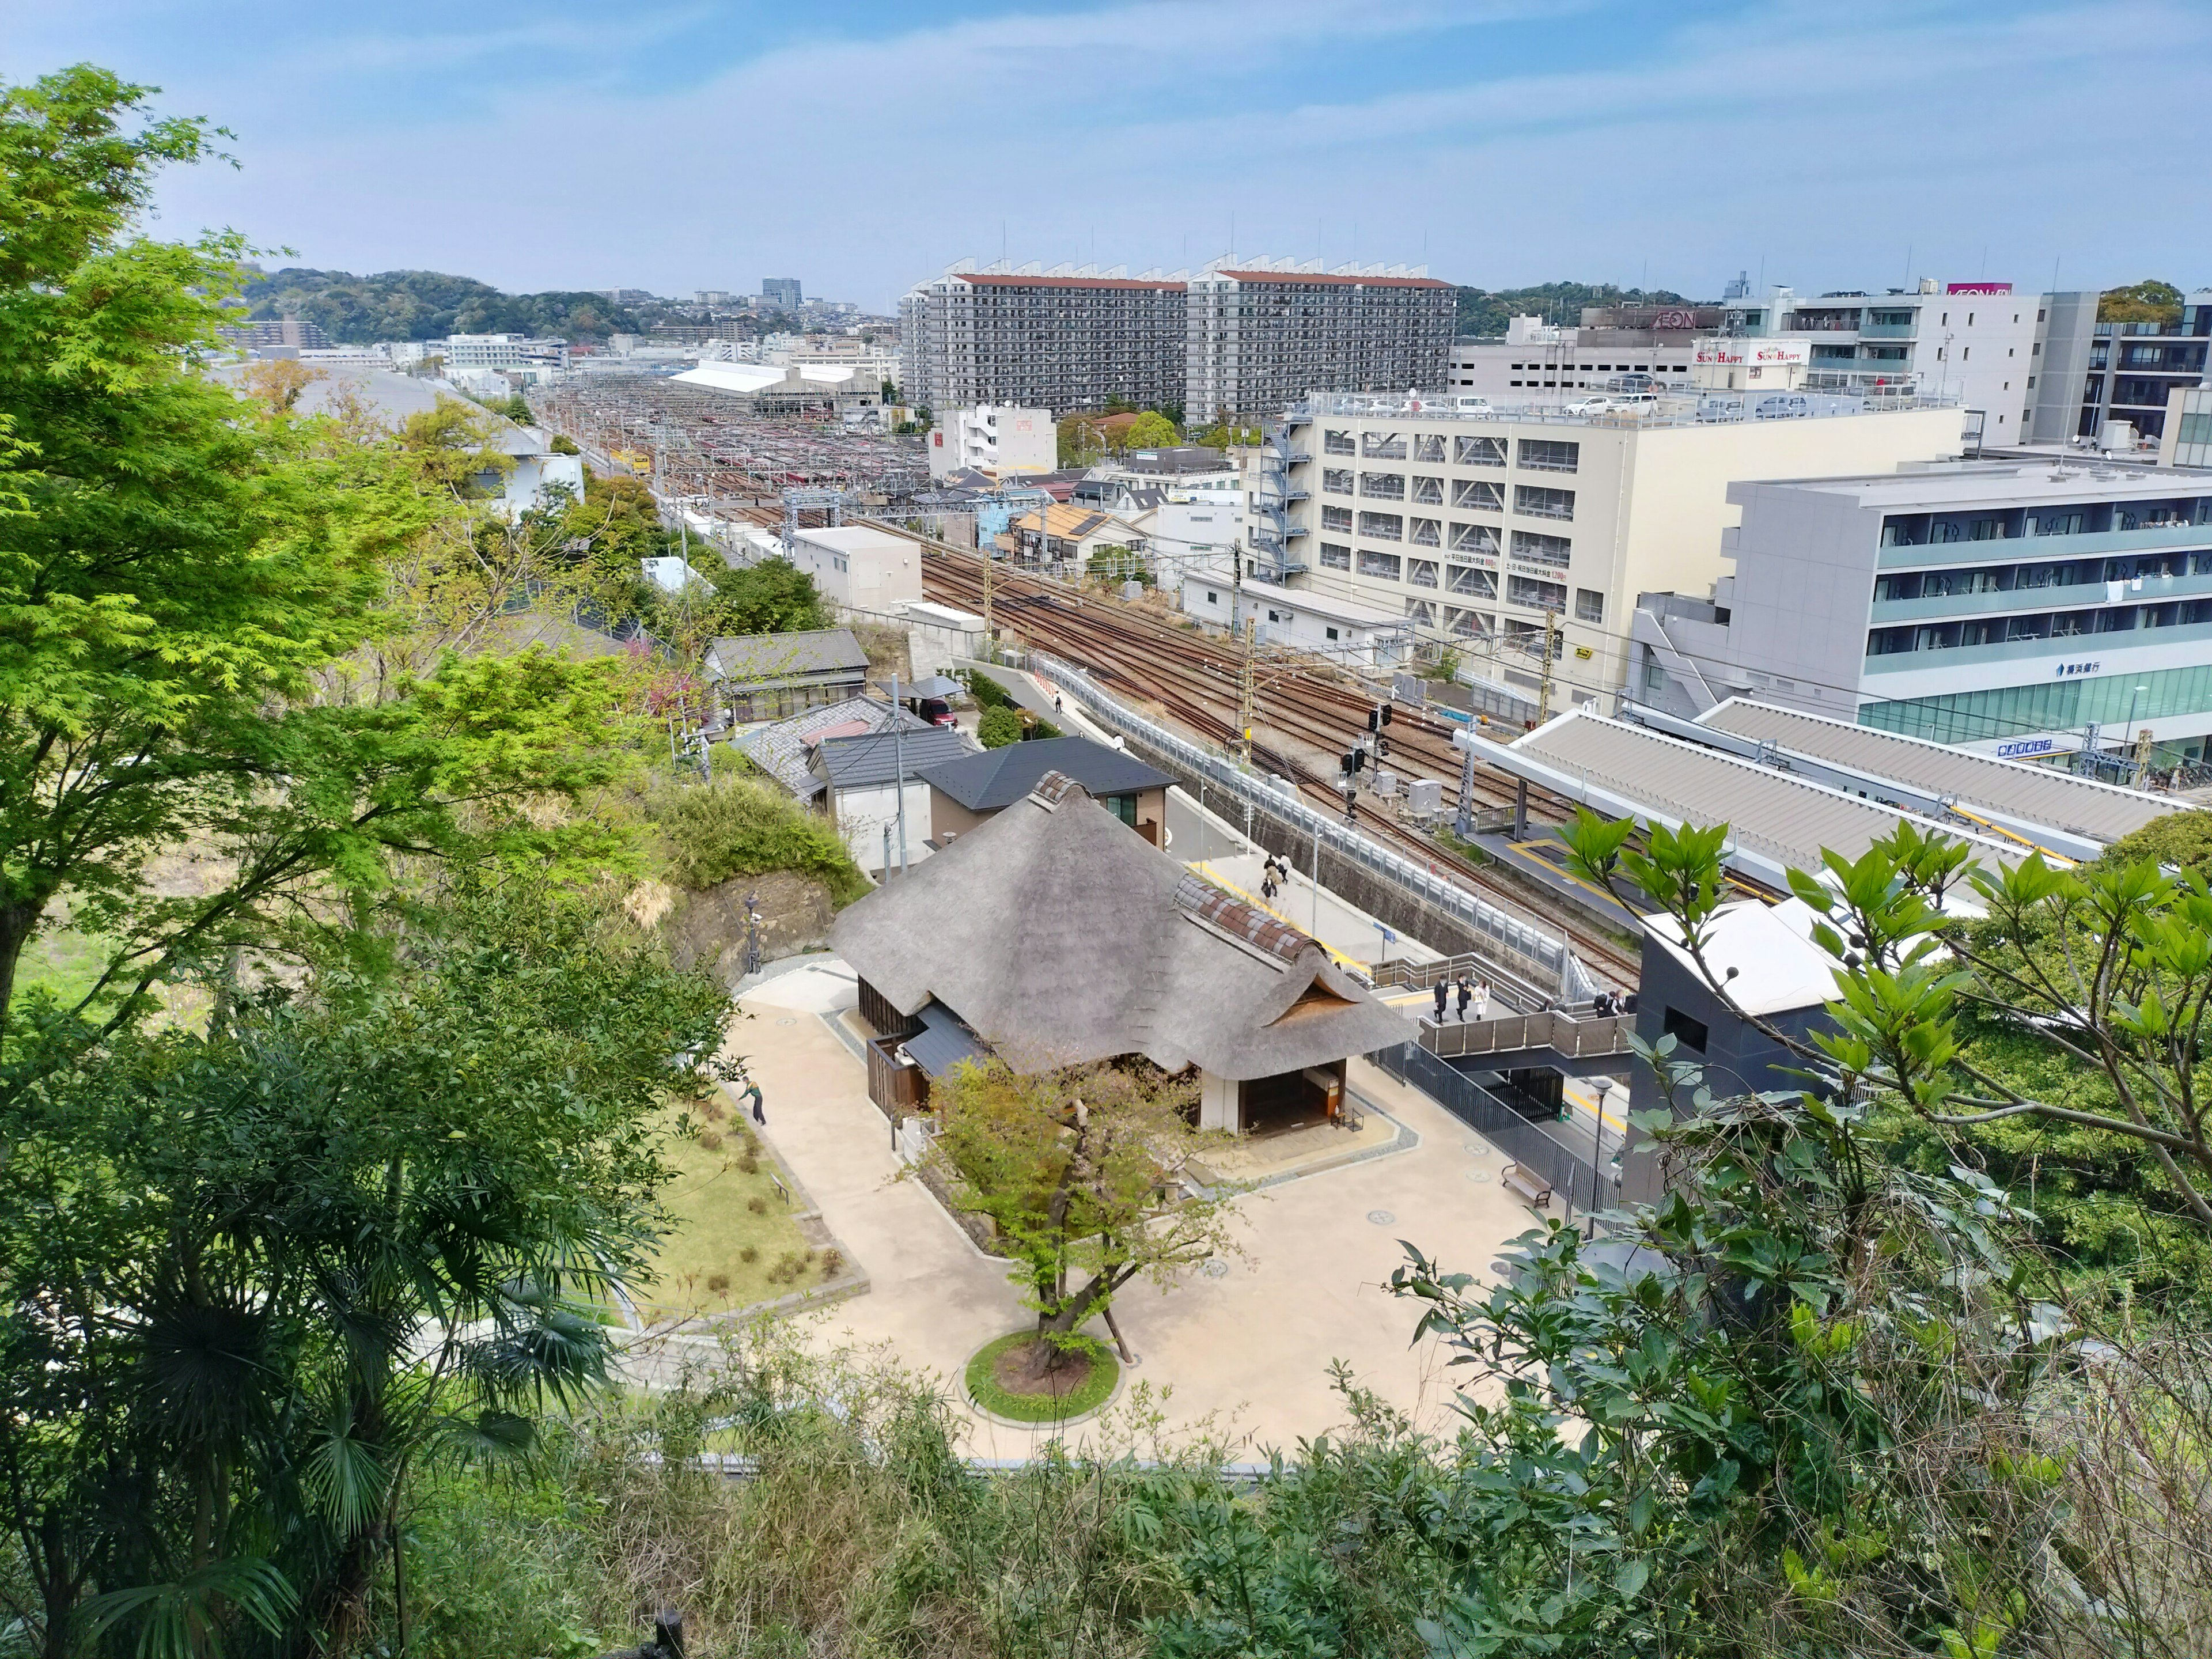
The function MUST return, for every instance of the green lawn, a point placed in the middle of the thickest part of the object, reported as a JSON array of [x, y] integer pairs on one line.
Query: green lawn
[[703, 1267], [62, 961]]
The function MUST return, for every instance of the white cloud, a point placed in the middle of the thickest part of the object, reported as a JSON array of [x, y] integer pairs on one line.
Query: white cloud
[[1826, 138]]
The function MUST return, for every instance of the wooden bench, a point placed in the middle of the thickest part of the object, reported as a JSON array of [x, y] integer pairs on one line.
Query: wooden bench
[[1525, 1187]]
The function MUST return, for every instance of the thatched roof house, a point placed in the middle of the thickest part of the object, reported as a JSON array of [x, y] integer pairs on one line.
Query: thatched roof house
[[1057, 936]]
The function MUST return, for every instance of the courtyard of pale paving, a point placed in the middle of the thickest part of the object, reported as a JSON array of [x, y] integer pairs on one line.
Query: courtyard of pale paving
[[1248, 1348]]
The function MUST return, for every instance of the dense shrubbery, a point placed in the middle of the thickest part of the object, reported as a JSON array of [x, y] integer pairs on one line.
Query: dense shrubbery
[[737, 827], [998, 728]]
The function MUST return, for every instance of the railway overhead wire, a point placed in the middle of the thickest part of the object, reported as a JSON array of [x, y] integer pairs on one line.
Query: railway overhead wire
[[1307, 715]]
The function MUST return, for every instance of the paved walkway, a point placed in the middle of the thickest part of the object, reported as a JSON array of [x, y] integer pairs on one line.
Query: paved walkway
[[1249, 1349]]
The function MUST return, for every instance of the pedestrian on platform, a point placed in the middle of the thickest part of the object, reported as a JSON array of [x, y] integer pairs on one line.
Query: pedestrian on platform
[[1481, 1001], [1466, 991], [1443, 990]]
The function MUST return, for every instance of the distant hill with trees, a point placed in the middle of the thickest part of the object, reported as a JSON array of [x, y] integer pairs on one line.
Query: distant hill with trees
[[427, 305], [1485, 310]]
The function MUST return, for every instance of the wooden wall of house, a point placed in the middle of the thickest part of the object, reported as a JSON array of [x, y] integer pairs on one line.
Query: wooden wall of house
[[883, 1019]]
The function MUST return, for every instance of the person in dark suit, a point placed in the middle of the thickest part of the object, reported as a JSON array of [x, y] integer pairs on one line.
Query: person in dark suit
[[1443, 990], [1466, 996]]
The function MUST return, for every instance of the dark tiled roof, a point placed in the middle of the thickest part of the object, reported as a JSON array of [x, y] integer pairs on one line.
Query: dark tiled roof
[[782, 750], [999, 777], [943, 1042], [823, 653], [871, 758]]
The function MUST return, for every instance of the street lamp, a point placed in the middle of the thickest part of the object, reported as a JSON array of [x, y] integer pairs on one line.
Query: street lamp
[[1597, 1156]]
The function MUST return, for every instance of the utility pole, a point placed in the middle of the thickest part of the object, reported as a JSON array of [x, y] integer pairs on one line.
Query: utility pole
[[990, 637], [1245, 714], [1551, 649], [898, 763]]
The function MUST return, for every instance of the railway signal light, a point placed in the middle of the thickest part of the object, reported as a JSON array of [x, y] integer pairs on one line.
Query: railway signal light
[[1375, 720]]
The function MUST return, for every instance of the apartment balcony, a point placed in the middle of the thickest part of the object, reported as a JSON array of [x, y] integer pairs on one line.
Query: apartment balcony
[[2031, 601], [2151, 538], [1889, 331]]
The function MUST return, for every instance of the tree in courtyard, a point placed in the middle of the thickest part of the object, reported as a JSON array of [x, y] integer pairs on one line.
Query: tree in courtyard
[[1087, 1173]]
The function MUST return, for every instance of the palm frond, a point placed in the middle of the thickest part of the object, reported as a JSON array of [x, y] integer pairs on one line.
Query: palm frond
[[184, 1618]]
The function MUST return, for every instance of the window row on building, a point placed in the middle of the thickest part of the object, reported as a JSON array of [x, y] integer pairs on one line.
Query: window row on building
[[2084, 623], [1955, 580], [1538, 454], [2089, 518]]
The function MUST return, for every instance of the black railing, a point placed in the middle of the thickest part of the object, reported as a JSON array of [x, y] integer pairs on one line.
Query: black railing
[[1570, 1178]]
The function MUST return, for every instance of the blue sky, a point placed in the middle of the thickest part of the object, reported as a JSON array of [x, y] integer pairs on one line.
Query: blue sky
[[860, 146]]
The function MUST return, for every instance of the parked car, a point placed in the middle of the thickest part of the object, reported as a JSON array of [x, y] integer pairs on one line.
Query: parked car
[[1589, 406], [935, 710]]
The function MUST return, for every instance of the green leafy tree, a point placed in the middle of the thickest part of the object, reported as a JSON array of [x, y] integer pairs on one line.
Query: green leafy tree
[[999, 727], [1150, 430], [772, 596], [2150, 302], [2109, 967], [1117, 564], [1082, 1172], [1082, 441], [1487, 311], [259, 1278], [199, 623]]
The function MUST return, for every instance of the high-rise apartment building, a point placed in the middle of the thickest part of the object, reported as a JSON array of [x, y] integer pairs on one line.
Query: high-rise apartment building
[[1061, 342], [782, 292], [1246, 338], [1262, 334]]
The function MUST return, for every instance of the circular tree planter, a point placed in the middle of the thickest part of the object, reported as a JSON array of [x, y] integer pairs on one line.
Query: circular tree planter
[[998, 1382]]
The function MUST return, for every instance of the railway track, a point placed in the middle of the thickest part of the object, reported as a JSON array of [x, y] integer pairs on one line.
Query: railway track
[[1305, 717]]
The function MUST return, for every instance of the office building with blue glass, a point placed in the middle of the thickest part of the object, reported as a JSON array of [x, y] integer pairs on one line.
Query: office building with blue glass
[[2025, 610]]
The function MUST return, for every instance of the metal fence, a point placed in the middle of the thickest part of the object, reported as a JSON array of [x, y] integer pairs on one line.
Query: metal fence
[[1596, 1037], [1516, 945], [1569, 1178]]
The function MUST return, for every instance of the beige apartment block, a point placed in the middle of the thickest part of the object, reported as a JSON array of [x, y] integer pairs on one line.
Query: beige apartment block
[[1474, 524]]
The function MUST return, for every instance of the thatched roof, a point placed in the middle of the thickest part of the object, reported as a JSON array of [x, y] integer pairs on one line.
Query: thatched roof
[[1061, 937]]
